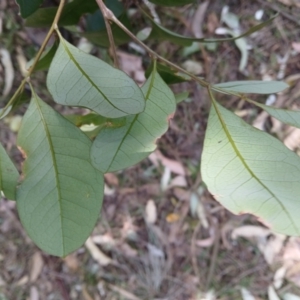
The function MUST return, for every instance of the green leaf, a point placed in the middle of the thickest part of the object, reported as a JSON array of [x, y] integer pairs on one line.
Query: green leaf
[[76, 78], [71, 14], [28, 7], [287, 116], [95, 21], [8, 175], [116, 149], [161, 33], [172, 2], [168, 75], [61, 194], [100, 37], [252, 86], [249, 171], [181, 96], [46, 59]]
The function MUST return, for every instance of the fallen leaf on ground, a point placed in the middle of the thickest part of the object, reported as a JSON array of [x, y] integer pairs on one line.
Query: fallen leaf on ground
[[171, 218], [37, 264], [9, 73], [150, 212], [97, 254]]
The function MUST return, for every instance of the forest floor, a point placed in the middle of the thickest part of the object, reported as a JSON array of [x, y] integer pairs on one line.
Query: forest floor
[[161, 235]]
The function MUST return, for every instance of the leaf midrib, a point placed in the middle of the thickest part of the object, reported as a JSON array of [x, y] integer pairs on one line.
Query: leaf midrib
[[134, 120], [54, 165], [236, 150], [87, 77]]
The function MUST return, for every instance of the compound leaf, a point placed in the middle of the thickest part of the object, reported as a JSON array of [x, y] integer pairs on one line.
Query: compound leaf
[[253, 86], [8, 175], [76, 78], [118, 148], [61, 194], [28, 7], [249, 171]]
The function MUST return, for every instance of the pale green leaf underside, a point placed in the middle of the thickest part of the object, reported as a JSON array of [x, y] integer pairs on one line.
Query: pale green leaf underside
[[76, 78], [253, 86], [8, 175], [249, 171], [118, 148], [290, 117], [61, 195]]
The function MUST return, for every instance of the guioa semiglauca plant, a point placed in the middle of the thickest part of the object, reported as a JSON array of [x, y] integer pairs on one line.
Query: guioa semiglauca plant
[[60, 191]]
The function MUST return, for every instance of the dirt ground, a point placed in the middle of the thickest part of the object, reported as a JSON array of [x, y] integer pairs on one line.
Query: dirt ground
[[161, 235]]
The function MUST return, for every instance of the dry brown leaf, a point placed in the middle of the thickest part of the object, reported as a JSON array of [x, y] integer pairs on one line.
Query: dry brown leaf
[[296, 46], [290, 2], [85, 294], [34, 293], [175, 166], [292, 140], [111, 179], [212, 22], [105, 240], [132, 65], [178, 181], [150, 212], [171, 218], [9, 71], [198, 19], [37, 264], [72, 262], [22, 281], [97, 254]]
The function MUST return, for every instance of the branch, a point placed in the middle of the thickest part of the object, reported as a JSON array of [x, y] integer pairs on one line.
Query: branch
[[107, 15]]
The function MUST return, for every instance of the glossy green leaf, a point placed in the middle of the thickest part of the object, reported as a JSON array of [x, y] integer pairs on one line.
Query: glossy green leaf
[[161, 33], [172, 2], [100, 37], [60, 198], [76, 78], [8, 175], [71, 14], [252, 86], [249, 171], [168, 75], [116, 149], [28, 7]]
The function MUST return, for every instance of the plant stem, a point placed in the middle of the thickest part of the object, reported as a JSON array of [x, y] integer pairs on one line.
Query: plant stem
[[109, 16], [37, 57], [107, 13]]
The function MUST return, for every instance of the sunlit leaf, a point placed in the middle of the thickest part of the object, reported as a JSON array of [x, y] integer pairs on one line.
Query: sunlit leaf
[[161, 33], [28, 7], [116, 149], [249, 171], [287, 116], [76, 78], [172, 2], [61, 194], [8, 175], [253, 86]]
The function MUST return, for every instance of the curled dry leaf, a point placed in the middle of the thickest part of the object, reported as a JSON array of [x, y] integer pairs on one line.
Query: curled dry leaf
[[37, 264], [150, 212], [9, 71], [97, 254]]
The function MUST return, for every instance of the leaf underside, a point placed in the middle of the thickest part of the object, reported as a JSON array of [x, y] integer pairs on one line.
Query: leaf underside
[[249, 171], [61, 194], [76, 78], [118, 148], [8, 175]]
